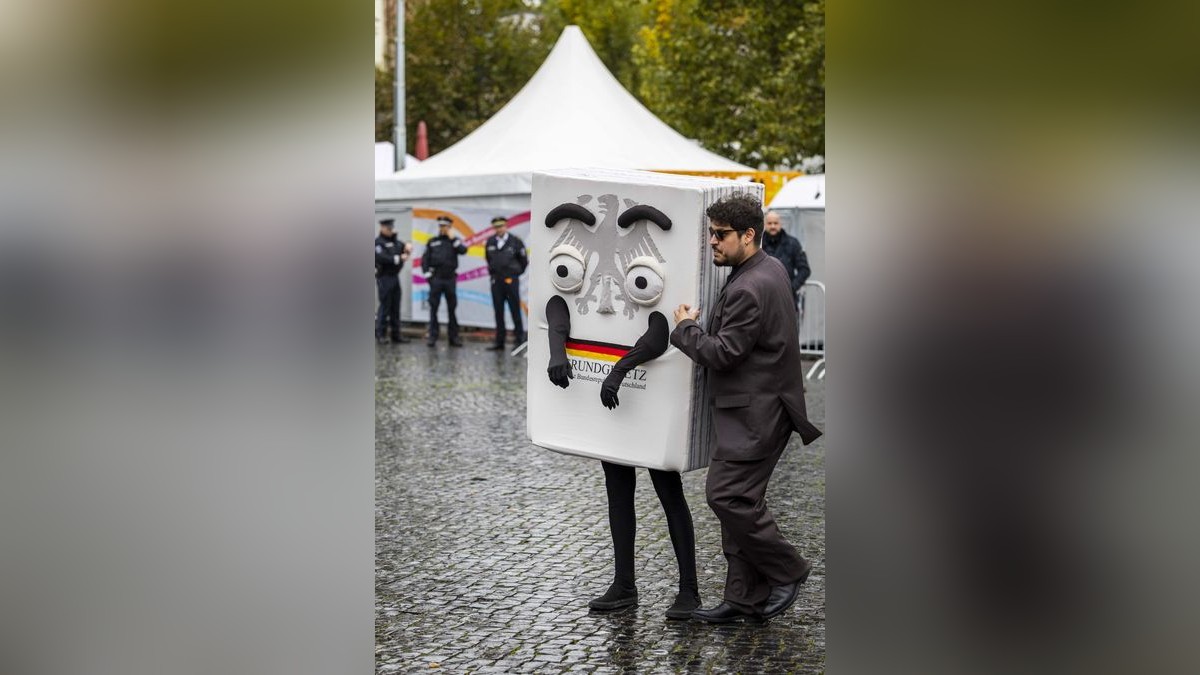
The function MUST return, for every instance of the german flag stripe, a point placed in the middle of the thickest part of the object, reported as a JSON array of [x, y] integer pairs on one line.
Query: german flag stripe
[[597, 356], [596, 349], [590, 344]]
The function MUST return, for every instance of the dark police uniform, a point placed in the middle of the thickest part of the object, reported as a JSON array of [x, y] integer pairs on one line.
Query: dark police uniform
[[506, 264], [440, 265], [389, 260]]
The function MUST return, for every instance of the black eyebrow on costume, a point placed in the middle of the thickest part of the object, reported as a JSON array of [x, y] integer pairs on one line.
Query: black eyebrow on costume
[[644, 212], [569, 211]]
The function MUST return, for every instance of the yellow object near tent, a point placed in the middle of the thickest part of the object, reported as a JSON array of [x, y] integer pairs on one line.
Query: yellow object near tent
[[771, 180]]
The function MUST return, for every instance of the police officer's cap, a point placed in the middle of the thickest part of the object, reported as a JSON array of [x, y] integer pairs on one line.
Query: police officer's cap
[[499, 220], [444, 220], [387, 222]]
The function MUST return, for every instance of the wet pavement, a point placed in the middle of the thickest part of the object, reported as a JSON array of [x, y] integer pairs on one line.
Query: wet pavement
[[488, 548]]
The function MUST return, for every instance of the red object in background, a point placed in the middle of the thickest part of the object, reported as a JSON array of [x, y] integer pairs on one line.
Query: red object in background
[[422, 141]]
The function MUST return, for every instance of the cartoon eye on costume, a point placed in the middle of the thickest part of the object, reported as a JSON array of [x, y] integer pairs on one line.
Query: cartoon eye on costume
[[644, 279], [567, 268]]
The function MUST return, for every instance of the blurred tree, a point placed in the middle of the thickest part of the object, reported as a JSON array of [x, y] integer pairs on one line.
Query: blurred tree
[[744, 77], [465, 60], [385, 93]]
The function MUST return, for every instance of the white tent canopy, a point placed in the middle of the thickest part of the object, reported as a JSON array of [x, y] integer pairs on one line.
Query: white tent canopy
[[801, 192], [572, 113], [385, 160]]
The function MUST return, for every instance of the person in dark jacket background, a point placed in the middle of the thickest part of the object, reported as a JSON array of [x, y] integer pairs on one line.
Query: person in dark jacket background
[[440, 265], [507, 260], [786, 249], [390, 255]]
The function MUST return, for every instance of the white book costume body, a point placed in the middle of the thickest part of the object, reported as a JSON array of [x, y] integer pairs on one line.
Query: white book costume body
[[613, 274]]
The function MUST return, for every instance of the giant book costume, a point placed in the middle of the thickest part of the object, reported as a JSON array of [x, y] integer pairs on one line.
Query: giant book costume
[[612, 253]]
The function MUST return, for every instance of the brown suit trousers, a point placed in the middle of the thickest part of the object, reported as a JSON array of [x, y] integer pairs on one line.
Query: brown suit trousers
[[757, 553]]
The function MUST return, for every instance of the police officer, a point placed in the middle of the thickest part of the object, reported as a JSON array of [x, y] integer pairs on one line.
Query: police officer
[[390, 255], [507, 260], [440, 265], [786, 249]]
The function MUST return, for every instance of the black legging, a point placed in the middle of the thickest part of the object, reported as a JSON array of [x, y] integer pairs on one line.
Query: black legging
[[620, 481]]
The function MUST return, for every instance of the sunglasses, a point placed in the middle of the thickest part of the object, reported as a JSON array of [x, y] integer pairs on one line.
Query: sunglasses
[[719, 235]]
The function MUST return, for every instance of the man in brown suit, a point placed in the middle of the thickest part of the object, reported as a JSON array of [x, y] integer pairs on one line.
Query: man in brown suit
[[752, 352]]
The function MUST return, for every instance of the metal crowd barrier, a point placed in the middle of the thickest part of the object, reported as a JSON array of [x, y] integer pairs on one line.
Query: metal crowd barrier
[[812, 326]]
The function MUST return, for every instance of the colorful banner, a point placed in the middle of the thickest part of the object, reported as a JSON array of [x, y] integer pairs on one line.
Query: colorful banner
[[474, 227]]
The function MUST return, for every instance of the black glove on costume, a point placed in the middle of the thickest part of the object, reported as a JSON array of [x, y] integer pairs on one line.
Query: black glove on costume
[[559, 319], [650, 346]]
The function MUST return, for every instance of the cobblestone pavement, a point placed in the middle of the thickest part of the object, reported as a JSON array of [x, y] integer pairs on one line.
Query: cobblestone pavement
[[488, 548]]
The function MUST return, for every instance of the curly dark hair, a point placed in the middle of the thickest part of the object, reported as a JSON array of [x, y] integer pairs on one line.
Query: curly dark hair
[[741, 211]]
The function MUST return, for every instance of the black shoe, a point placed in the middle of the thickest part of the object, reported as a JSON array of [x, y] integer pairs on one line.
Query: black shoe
[[380, 340], [431, 343], [456, 343], [686, 602], [725, 613], [615, 598], [495, 347], [400, 340], [783, 596]]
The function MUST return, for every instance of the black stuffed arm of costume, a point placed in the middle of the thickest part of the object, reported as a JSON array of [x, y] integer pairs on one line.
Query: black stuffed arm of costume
[[558, 317], [650, 346]]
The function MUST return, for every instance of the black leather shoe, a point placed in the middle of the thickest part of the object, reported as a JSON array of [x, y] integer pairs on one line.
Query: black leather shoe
[[780, 599], [401, 340], [495, 348], [725, 613], [614, 598], [686, 602], [783, 596], [456, 343], [430, 343]]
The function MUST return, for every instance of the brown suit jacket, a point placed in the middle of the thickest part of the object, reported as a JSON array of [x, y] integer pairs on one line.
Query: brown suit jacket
[[752, 353]]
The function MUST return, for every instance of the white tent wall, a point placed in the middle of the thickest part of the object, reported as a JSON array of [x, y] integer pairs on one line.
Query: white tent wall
[[500, 202], [451, 187], [385, 160]]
